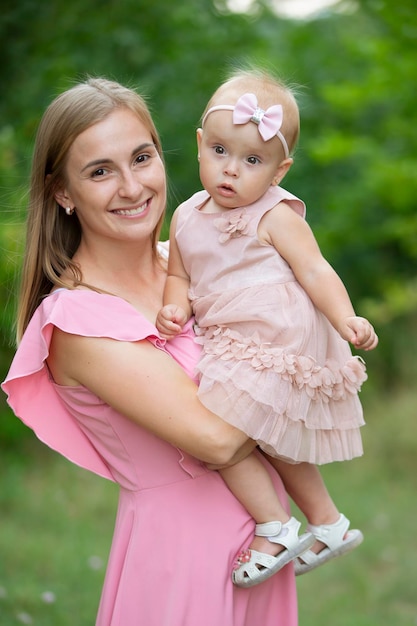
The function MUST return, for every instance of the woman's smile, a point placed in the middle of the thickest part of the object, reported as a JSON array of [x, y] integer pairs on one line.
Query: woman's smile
[[134, 211]]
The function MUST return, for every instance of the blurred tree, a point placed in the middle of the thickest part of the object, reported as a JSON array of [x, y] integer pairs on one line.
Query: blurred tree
[[357, 162], [362, 135], [356, 158]]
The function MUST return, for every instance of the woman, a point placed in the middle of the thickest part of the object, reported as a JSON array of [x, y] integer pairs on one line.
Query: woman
[[95, 381]]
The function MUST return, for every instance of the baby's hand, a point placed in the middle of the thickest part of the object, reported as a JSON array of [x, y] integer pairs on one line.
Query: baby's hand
[[359, 332], [170, 321]]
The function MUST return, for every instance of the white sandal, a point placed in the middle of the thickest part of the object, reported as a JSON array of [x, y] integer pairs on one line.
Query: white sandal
[[338, 540], [254, 567]]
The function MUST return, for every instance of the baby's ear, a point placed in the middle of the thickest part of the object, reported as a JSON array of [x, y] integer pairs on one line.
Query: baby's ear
[[282, 169], [199, 135]]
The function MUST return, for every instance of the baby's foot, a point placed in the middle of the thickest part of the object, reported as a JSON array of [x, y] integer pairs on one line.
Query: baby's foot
[[274, 546], [262, 544], [332, 540]]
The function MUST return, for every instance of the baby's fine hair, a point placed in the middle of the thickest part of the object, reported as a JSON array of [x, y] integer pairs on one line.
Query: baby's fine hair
[[269, 90]]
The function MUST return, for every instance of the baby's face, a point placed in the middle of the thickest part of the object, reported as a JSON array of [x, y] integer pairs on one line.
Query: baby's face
[[236, 165]]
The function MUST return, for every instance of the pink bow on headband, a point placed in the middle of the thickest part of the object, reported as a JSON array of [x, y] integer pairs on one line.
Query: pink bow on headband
[[247, 110]]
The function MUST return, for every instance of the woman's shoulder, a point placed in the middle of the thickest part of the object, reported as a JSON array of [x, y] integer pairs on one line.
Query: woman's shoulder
[[97, 315], [92, 314], [78, 312]]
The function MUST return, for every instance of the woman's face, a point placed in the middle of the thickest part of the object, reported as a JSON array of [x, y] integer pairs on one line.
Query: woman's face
[[115, 180]]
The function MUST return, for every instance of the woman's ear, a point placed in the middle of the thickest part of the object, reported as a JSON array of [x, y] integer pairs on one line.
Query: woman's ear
[[62, 197], [282, 170]]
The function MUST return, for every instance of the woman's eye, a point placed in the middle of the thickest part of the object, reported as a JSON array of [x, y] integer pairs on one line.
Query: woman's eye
[[142, 158], [100, 172]]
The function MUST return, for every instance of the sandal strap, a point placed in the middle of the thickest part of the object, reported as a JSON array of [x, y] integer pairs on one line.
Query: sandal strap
[[276, 532], [331, 534], [309, 558], [268, 529]]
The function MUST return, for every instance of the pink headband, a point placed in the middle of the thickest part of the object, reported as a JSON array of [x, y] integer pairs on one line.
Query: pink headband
[[246, 110]]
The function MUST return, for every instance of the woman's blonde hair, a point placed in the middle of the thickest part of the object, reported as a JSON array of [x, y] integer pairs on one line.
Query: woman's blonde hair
[[51, 237]]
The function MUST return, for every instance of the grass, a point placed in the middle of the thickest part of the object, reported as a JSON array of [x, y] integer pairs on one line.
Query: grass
[[56, 526], [376, 584], [57, 520]]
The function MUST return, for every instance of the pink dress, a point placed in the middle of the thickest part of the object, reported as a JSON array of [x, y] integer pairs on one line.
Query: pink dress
[[272, 364], [178, 527]]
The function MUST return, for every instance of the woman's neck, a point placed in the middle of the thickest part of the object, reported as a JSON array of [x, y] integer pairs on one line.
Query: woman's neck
[[130, 271]]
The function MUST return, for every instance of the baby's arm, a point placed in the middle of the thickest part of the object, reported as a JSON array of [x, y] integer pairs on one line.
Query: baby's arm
[[293, 239], [177, 309]]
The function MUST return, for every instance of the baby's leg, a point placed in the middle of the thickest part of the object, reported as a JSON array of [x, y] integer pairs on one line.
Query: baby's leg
[[276, 542], [305, 485], [250, 482]]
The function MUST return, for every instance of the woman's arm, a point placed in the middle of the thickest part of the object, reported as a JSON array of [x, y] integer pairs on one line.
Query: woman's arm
[[147, 386]]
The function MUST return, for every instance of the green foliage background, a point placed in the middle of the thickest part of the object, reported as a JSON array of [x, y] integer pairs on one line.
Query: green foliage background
[[355, 167], [356, 161]]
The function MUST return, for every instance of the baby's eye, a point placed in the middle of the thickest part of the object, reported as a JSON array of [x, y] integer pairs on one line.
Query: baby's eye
[[253, 160], [219, 149]]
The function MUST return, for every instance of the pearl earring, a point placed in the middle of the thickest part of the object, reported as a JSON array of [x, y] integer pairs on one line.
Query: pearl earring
[[69, 210]]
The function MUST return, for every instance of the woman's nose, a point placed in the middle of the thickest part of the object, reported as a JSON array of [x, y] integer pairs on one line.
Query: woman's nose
[[130, 184]]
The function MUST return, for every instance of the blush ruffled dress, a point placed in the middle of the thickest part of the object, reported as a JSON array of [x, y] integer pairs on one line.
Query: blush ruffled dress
[[178, 527], [272, 364]]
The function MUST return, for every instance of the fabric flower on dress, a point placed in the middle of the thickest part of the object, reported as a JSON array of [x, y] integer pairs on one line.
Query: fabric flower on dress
[[232, 226], [353, 373], [320, 383]]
